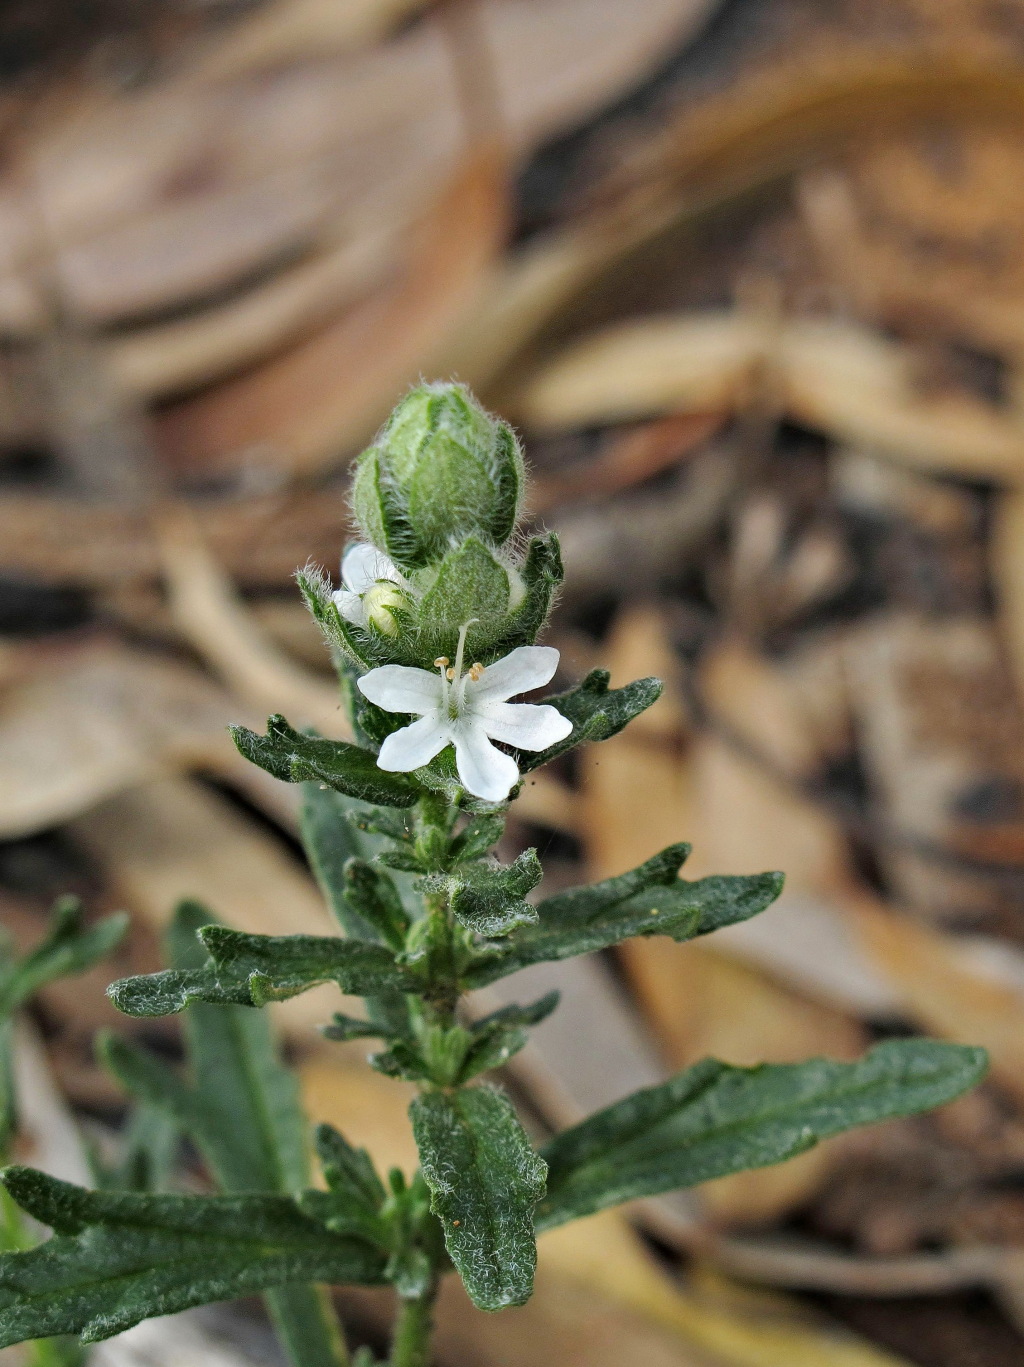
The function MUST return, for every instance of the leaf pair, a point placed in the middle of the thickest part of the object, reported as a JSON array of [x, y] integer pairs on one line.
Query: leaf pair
[[488, 1185], [596, 711]]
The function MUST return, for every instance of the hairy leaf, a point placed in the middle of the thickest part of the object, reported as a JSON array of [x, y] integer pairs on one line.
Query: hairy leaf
[[252, 970], [240, 1107], [567, 926], [596, 712], [478, 836], [715, 1119], [375, 899], [335, 828], [490, 899], [355, 1196], [118, 1258], [498, 1037], [485, 1180], [290, 755], [69, 947]]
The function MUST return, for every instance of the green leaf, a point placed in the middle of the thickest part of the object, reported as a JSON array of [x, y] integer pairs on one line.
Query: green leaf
[[334, 829], [471, 586], [478, 836], [241, 1108], [596, 712], [355, 1197], [498, 1037], [587, 919], [8, 1116], [148, 1151], [118, 1258], [343, 1028], [485, 1181], [541, 573], [69, 947], [374, 898], [715, 1119], [490, 898], [290, 755], [252, 970]]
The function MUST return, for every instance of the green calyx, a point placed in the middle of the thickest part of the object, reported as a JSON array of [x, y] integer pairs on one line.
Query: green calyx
[[441, 470]]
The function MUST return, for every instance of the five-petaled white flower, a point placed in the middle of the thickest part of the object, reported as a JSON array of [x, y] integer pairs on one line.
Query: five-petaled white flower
[[468, 710], [371, 585]]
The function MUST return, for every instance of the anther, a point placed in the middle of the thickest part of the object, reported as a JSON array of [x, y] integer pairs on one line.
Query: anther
[[450, 675], [441, 662], [476, 671]]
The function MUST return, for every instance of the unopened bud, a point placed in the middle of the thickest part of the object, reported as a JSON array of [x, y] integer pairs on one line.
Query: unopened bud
[[441, 470]]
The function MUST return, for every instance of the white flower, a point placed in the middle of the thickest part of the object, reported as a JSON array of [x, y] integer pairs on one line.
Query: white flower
[[371, 585], [468, 710]]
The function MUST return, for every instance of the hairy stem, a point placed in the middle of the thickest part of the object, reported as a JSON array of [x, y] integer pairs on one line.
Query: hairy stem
[[413, 1329]]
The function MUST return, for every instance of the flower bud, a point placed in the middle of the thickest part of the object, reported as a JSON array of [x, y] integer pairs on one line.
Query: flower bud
[[441, 470], [379, 603]]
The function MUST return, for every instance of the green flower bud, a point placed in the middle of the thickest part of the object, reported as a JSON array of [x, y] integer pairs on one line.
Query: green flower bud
[[441, 470]]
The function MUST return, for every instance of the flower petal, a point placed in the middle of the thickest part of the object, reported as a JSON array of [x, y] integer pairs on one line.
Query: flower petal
[[520, 670], [351, 606], [400, 688], [528, 726], [485, 771], [415, 745], [362, 565]]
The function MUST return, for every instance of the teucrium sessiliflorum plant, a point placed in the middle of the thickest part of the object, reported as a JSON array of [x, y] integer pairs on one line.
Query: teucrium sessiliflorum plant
[[434, 631]]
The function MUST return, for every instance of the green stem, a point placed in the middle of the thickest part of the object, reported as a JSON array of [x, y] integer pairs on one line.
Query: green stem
[[413, 1329]]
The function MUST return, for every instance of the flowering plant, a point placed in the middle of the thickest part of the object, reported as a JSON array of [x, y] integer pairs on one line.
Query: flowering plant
[[433, 632]]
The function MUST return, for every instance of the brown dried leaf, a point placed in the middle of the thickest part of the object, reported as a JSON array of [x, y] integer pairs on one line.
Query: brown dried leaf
[[327, 394]]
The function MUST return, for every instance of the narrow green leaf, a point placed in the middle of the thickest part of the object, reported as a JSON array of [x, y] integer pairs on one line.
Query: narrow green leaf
[[118, 1258], [343, 1028], [498, 1037], [332, 834], [353, 1202], [296, 758], [715, 1119], [477, 837], [490, 899], [8, 1117], [375, 899], [567, 927], [485, 1181], [241, 1108], [252, 970], [69, 947], [596, 712]]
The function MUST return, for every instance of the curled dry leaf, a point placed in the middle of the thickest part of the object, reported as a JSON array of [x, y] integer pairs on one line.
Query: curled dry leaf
[[106, 719], [330, 392], [832, 376], [188, 185], [210, 615], [771, 125]]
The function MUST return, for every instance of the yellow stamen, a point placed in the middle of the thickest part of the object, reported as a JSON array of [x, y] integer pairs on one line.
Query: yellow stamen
[[475, 672], [441, 662], [450, 675]]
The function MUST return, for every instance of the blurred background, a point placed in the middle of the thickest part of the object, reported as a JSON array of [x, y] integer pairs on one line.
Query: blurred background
[[748, 275]]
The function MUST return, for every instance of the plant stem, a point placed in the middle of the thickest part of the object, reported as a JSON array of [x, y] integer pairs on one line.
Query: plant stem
[[413, 1328]]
